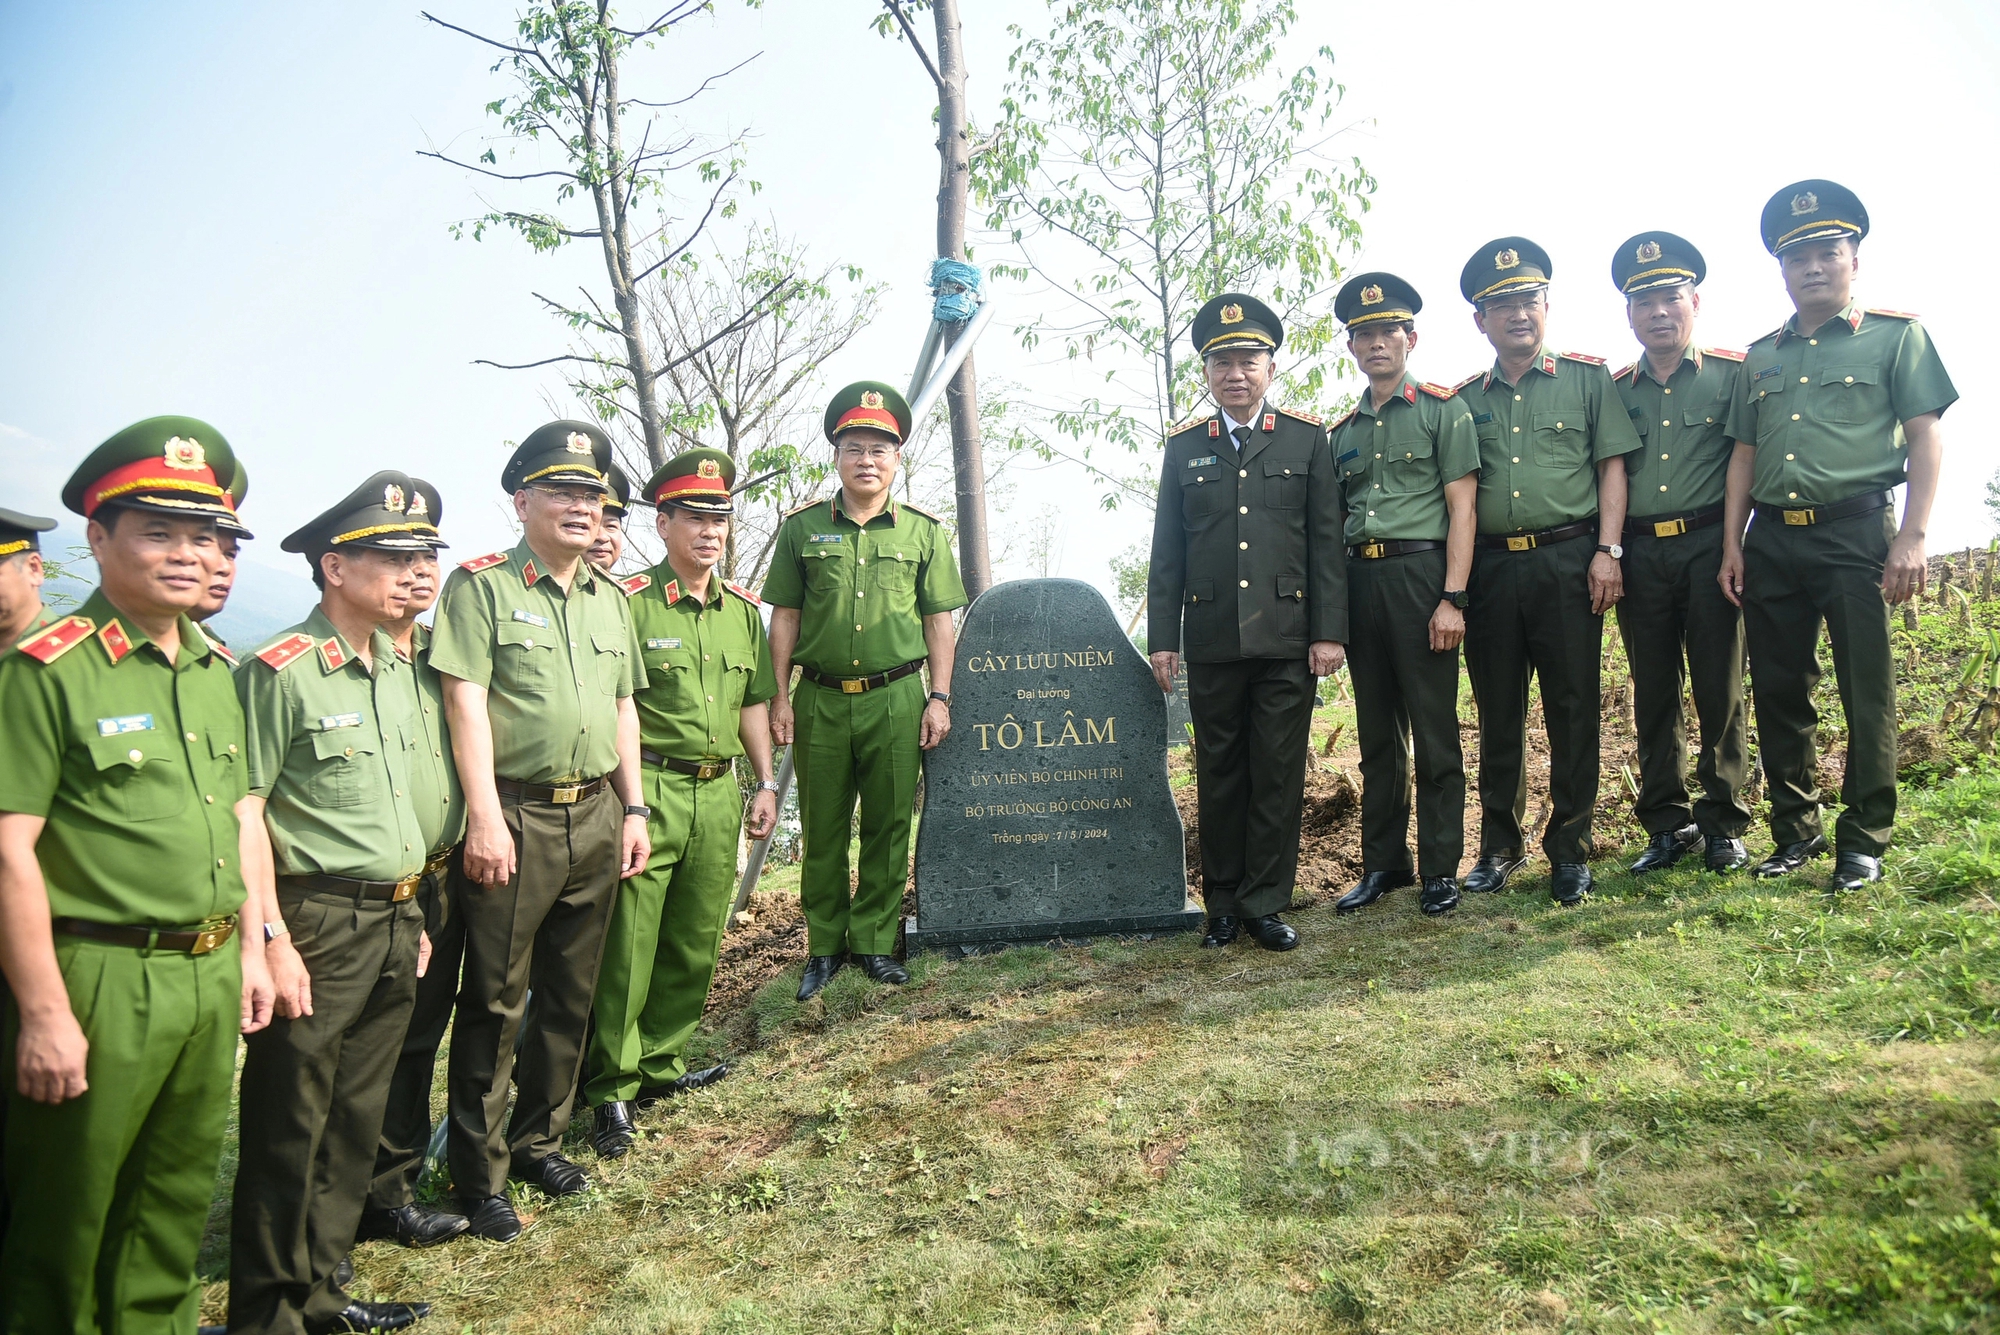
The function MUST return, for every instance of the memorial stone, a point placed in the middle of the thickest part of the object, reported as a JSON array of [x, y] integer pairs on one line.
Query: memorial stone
[[1180, 715], [1046, 811]]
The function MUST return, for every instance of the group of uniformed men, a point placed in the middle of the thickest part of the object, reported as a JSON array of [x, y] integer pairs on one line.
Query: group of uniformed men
[[515, 822], [1508, 514], [520, 821]]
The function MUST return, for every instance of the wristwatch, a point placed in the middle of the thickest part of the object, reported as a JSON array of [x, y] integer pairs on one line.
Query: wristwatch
[[942, 697], [1613, 550], [1458, 598], [274, 930], [636, 810], [767, 785]]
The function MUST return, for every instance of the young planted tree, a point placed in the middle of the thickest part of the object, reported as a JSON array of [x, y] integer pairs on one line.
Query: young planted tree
[[613, 175], [1150, 154]]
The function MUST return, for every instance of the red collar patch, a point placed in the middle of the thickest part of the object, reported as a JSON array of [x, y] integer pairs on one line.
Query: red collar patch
[[529, 574], [113, 638], [1409, 393], [1270, 423], [333, 655], [672, 593], [1214, 428], [1548, 364]]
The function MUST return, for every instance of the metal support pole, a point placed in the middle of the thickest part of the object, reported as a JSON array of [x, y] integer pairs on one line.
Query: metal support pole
[[759, 847]]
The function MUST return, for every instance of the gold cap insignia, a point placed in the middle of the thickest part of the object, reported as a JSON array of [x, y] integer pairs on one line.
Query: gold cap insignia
[[578, 443], [184, 453], [1371, 295], [1507, 259], [1232, 314], [1648, 251], [869, 399], [1803, 203], [710, 468], [418, 505], [392, 498]]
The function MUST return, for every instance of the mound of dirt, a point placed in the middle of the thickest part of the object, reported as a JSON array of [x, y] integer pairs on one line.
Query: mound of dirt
[[767, 938]]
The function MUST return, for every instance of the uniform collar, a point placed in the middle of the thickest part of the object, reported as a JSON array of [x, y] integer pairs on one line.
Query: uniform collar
[[668, 582], [1692, 353], [891, 510], [120, 637], [1850, 315], [336, 653], [524, 560], [1545, 361], [1407, 394]]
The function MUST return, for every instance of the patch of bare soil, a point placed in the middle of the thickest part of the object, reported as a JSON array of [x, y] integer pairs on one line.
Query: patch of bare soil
[[765, 940]]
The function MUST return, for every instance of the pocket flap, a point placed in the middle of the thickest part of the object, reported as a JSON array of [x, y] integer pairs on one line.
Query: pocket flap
[[1284, 468], [1708, 416], [343, 742], [524, 635], [1421, 447], [1850, 375], [1575, 419], [222, 746], [132, 749], [609, 642], [1200, 591], [736, 660], [1292, 586]]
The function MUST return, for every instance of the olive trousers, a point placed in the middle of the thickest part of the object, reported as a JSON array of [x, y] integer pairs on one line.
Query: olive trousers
[[406, 1117], [847, 748]]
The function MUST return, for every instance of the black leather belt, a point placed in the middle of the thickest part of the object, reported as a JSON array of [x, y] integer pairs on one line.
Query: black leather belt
[[1671, 526], [562, 794], [1799, 516], [701, 769], [394, 892], [856, 685], [1375, 551], [1527, 542], [200, 941]]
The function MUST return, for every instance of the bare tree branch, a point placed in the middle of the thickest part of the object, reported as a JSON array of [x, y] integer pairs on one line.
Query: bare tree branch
[[498, 176], [911, 33], [549, 361], [640, 102]]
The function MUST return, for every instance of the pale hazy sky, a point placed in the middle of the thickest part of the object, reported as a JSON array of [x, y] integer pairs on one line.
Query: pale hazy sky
[[217, 209]]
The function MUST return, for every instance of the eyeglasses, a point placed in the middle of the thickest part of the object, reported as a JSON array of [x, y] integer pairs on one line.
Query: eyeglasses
[[873, 454], [572, 498]]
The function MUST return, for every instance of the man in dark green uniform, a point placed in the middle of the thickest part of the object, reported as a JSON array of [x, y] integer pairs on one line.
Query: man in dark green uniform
[[121, 880], [609, 549], [1552, 437], [1678, 396], [1835, 408], [1247, 551], [1408, 460], [535, 648], [393, 1211], [22, 610], [230, 534], [702, 703], [331, 716], [862, 589]]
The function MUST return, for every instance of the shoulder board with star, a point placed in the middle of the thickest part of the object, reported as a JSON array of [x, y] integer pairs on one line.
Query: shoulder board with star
[[634, 584], [743, 593], [1727, 354], [1894, 315], [920, 510], [1624, 371], [486, 562], [801, 509], [1583, 357], [48, 645], [1343, 419], [1199, 419], [1460, 386], [1436, 391], [286, 650], [1303, 416]]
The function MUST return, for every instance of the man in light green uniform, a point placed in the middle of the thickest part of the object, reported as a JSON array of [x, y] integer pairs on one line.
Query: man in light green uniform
[[22, 610], [393, 1211], [1678, 396], [862, 589], [1835, 408], [1408, 460], [535, 648], [331, 717], [1552, 439], [701, 704], [230, 535], [121, 880]]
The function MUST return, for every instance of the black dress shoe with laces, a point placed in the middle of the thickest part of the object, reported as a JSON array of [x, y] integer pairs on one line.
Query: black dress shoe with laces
[[1569, 882], [612, 1129], [884, 969], [360, 1316], [1489, 875], [492, 1218], [1440, 895], [1667, 848], [410, 1226], [1786, 860], [820, 970], [555, 1175], [1371, 887], [683, 1084], [1851, 871], [1271, 932], [1725, 854], [1221, 931]]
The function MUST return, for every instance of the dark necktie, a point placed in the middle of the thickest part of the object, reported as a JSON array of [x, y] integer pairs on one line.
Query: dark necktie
[[1241, 435]]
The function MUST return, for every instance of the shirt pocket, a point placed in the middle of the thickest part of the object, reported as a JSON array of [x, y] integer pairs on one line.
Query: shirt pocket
[[1285, 484], [1204, 614], [1291, 606], [1701, 417], [1774, 412], [344, 771], [667, 674], [1846, 394], [893, 571], [524, 656], [1205, 491], [1561, 438], [826, 567], [737, 669], [138, 776], [613, 650], [1409, 465]]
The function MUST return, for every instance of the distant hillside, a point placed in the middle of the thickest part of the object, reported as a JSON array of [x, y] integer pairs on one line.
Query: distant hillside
[[264, 601]]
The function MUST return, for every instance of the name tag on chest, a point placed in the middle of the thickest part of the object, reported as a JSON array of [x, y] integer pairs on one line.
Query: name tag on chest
[[329, 722], [112, 727], [1202, 462], [530, 618], [1766, 373], [670, 642], [827, 537]]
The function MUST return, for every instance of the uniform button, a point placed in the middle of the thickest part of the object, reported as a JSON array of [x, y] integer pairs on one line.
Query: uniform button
[[232, 748], [1517, 458], [1288, 472], [857, 593], [191, 737], [711, 699], [1662, 488], [1559, 426], [1795, 417], [135, 756], [1790, 457], [857, 662], [572, 644], [1663, 456], [1812, 342], [1803, 380], [711, 739], [1711, 419], [1850, 380], [1517, 431], [585, 728], [1791, 495], [399, 792], [1243, 546], [349, 751], [857, 626], [1378, 421], [438, 753], [1378, 456], [1243, 583], [527, 644], [861, 560], [406, 847], [1664, 421], [1517, 398], [220, 863], [427, 709], [1371, 514], [1243, 472], [1668, 391], [1242, 509], [1517, 495], [208, 798]]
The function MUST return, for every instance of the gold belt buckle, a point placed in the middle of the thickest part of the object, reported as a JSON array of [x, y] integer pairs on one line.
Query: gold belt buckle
[[710, 769], [211, 936], [1671, 528], [1372, 550], [853, 685], [1524, 543], [406, 888], [565, 794], [1799, 518]]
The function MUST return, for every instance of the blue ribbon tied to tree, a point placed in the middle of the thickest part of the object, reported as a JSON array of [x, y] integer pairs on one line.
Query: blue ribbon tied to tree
[[955, 287]]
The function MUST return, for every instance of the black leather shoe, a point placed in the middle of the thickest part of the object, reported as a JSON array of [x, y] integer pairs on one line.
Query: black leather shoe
[[1791, 857], [1851, 871], [410, 1226], [1725, 854], [683, 1084], [1667, 848], [1221, 931], [884, 969], [1440, 895], [1489, 875], [360, 1316], [612, 1129], [492, 1219], [1271, 932], [1371, 887], [1570, 882], [555, 1175], [820, 970]]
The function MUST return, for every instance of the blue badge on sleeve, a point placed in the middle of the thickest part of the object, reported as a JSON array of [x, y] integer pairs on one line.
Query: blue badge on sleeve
[[112, 727]]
